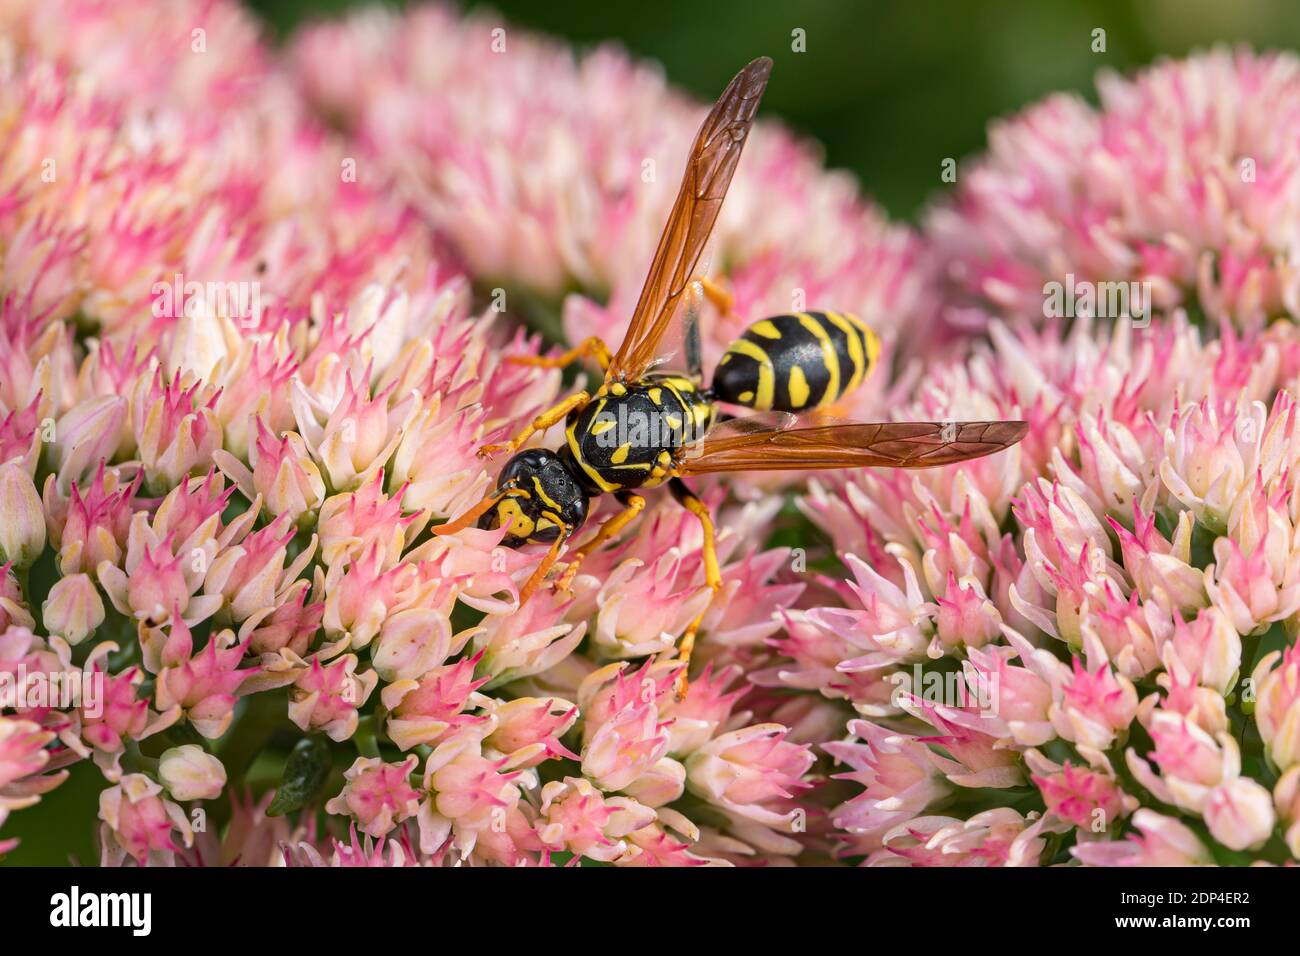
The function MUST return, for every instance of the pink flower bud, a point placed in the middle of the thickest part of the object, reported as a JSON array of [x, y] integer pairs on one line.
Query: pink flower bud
[[1239, 813], [73, 609], [22, 519], [191, 773]]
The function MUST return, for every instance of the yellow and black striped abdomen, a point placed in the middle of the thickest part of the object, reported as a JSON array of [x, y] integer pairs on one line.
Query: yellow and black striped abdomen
[[796, 362]]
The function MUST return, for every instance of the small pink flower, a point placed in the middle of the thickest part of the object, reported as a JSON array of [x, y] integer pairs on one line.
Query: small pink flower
[[1160, 841], [899, 778], [250, 576], [577, 817], [290, 625], [1096, 706], [744, 769], [966, 618], [175, 427], [207, 685], [328, 697], [140, 823], [527, 642], [1240, 815], [1083, 797], [377, 795], [1208, 649], [706, 707], [89, 434], [1277, 705], [470, 795], [1253, 589], [626, 745], [22, 750], [1286, 799], [361, 594], [13, 609], [422, 711], [528, 730], [354, 433], [1018, 699], [282, 473], [349, 523], [1192, 763], [1161, 569]]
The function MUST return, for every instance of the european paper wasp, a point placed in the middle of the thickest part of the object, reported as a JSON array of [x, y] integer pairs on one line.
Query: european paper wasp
[[644, 427]]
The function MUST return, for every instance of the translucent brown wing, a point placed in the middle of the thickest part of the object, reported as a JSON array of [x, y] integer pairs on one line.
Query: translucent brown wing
[[780, 441], [712, 162]]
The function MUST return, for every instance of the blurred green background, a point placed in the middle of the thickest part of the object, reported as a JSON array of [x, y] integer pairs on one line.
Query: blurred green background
[[890, 87]]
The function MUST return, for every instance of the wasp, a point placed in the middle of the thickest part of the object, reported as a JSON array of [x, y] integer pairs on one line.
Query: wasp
[[645, 427]]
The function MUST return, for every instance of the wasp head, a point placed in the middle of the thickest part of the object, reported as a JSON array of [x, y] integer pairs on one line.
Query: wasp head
[[540, 499]]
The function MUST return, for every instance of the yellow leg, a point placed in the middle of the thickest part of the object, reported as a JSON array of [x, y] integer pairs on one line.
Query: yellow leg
[[593, 347], [722, 299], [633, 505], [712, 576], [535, 580], [542, 422]]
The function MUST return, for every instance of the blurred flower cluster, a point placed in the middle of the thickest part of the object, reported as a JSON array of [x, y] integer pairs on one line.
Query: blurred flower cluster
[[254, 309]]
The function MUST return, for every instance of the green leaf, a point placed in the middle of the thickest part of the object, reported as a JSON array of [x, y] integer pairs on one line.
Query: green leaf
[[304, 774]]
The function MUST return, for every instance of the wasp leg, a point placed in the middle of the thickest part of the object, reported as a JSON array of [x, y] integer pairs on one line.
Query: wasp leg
[[633, 505], [479, 510], [712, 575], [537, 577], [593, 347], [542, 422], [722, 299]]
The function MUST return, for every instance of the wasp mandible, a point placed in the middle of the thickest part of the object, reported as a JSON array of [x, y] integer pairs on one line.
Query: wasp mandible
[[643, 428]]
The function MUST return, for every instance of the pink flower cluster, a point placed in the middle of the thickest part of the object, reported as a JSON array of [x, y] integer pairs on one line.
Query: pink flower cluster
[[241, 376], [253, 312]]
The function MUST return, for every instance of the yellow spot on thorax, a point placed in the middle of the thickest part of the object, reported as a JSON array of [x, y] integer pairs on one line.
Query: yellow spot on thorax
[[798, 386]]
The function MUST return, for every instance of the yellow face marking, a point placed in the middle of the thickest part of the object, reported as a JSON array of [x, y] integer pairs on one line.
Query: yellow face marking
[[855, 339], [665, 459], [746, 397], [674, 421], [620, 454], [798, 386], [766, 374], [508, 512], [618, 389], [541, 493], [657, 396], [828, 356], [602, 426], [766, 328]]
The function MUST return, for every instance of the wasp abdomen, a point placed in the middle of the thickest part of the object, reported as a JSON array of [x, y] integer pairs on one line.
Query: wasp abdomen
[[796, 362]]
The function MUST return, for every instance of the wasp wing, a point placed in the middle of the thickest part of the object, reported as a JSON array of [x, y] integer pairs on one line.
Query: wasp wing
[[712, 162], [780, 441]]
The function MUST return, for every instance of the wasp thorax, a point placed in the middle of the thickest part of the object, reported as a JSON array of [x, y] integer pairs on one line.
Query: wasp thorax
[[542, 499]]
